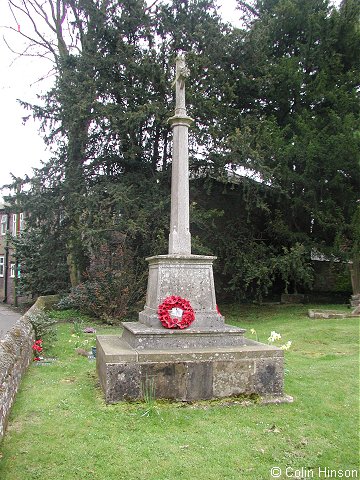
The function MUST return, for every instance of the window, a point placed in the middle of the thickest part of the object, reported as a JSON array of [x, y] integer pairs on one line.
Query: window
[[14, 222], [22, 222], [2, 262], [3, 225], [12, 270]]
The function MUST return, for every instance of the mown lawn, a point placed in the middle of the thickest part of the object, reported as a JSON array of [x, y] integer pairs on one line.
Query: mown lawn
[[60, 427]]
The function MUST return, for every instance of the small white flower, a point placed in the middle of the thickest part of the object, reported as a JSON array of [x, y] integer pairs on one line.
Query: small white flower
[[274, 336], [286, 346], [253, 331]]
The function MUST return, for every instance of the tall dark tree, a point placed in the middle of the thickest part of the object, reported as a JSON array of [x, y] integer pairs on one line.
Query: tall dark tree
[[301, 137], [107, 113], [279, 99]]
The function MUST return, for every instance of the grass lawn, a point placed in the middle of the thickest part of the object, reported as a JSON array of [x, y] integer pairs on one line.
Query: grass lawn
[[60, 427]]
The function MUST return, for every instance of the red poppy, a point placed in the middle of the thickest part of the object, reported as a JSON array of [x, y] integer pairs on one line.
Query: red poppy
[[37, 348]]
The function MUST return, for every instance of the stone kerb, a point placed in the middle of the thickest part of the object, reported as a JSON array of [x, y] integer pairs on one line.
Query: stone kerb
[[15, 357]]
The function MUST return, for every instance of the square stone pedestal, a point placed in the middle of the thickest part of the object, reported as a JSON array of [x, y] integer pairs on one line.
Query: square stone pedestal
[[186, 276]]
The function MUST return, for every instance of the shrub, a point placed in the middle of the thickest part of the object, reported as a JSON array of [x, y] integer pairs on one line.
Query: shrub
[[111, 285], [100, 298], [43, 325]]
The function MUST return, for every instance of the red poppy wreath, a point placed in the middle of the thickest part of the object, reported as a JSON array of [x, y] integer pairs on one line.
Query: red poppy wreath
[[176, 312]]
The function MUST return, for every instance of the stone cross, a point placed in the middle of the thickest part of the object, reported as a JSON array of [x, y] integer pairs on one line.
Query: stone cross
[[180, 238]]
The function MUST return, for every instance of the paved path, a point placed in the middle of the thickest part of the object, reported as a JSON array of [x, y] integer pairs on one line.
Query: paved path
[[7, 318]]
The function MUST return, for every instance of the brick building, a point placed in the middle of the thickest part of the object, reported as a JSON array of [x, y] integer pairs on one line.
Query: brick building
[[11, 224]]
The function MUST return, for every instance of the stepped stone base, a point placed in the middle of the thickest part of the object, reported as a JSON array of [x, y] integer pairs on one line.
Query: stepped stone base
[[207, 360], [190, 373]]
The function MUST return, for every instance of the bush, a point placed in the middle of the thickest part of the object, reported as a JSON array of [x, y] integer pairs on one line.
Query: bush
[[101, 298], [111, 285], [43, 325]]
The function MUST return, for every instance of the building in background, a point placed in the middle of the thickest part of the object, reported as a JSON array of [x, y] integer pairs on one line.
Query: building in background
[[11, 225]]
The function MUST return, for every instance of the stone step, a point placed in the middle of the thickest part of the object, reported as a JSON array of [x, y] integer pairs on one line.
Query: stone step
[[140, 336], [114, 349]]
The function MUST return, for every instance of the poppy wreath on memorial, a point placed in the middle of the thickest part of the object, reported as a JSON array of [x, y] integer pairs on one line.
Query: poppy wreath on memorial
[[176, 312]]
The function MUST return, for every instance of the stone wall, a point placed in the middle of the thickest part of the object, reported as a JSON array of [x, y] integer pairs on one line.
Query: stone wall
[[15, 356], [331, 277]]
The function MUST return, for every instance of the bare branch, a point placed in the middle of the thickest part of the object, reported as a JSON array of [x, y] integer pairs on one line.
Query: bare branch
[[38, 10], [151, 6], [78, 21], [58, 19], [63, 13], [246, 7], [44, 42], [43, 45], [49, 74], [25, 52]]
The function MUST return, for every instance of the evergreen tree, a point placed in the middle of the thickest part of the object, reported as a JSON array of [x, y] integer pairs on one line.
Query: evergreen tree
[[301, 137]]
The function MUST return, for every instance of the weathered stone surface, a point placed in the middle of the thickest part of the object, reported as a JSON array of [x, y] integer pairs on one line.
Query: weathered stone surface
[[117, 350], [187, 276], [15, 356], [355, 302], [234, 378], [123, 382], [192, 374], [140, 336], [331, 314], [199, 383], [180, 238], [269, 378], [169, 378]]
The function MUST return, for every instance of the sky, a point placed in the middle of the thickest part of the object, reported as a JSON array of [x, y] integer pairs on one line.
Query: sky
[[22, 147]]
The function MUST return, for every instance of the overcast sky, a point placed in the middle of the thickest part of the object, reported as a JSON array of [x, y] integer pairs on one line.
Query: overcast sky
[[21, 145]]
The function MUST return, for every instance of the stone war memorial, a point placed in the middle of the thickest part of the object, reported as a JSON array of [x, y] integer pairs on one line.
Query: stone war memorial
[[181, 342]]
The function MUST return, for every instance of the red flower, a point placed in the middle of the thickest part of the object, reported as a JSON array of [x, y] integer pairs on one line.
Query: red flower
[[37, 348], [36, 359]]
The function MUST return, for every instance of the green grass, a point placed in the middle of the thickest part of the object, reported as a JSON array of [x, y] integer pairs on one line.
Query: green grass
[[60, 427]]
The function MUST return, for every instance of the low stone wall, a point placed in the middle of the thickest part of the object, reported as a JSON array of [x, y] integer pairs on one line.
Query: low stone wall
[[15, 356]]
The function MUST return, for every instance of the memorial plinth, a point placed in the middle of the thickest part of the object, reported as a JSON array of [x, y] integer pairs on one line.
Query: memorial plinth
[[188, 276], [189, 374], [209, 359]]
